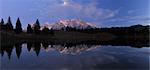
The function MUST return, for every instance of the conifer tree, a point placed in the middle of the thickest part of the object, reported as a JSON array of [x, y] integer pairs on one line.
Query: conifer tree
[[2, 24], [9, 25], [52, 31], [37, 27], [18, 28], [45, 30], [2, 21], [29, 29]]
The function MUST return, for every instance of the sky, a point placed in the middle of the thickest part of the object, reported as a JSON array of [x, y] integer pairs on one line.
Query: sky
[[104, 13]]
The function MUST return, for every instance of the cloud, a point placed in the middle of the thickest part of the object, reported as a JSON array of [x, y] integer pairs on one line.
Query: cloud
[[131, 20], [62, 9], [92, 11]]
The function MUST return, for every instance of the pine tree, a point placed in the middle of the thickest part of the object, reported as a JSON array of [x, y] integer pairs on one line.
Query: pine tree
[[67, 28], [2, 21], [2, 24], [45, 30], [29, 29], [9, 25], [18, 28], [52, 31], [62, 29], [37, 27]]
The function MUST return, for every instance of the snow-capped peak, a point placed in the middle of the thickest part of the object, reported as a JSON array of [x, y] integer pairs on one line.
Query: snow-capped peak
[[74, 23]]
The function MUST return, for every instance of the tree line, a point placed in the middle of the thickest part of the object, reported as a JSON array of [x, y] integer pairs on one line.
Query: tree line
[[133, 30], [118, 31], [35, 29]]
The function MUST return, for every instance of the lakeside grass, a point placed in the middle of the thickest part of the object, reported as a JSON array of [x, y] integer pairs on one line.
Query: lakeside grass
[[58, 36], [61, 37]]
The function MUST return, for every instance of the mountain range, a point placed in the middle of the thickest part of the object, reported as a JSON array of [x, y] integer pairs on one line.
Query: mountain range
[[74, 23]]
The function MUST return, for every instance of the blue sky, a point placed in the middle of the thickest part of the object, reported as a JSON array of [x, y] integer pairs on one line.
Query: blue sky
[[105, 13]]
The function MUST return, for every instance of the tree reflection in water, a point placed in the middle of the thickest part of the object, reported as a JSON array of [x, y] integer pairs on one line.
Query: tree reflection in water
[[18, 49], [73, 55], [67, 48]]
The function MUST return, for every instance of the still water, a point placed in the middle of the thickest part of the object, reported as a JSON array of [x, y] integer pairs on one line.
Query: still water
[[43, 56]]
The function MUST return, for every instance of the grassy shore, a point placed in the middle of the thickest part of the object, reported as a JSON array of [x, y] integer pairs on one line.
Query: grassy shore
[[58, 36], [61, 37]]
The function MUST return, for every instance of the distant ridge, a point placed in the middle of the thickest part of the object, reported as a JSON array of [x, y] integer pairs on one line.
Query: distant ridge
[[74, 23]]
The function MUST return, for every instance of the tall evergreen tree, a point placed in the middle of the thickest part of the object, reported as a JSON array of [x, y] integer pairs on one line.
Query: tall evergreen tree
[[9, 25], [29, 29], [2, 21], [18, 28], [37, 27], [45, 30], [67, 28], [52, 31], [2, 24], [62, 29]]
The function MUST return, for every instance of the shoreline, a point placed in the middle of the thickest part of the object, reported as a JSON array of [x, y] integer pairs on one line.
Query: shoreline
[[75, 38]]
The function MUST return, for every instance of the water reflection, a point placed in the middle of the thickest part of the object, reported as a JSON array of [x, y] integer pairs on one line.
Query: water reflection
[[8, 49], [67, 48], [34, 55], [18, 49]]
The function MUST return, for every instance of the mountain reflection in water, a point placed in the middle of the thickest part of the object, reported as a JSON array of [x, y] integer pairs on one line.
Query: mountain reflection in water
[[36, 47], [35, 55]]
